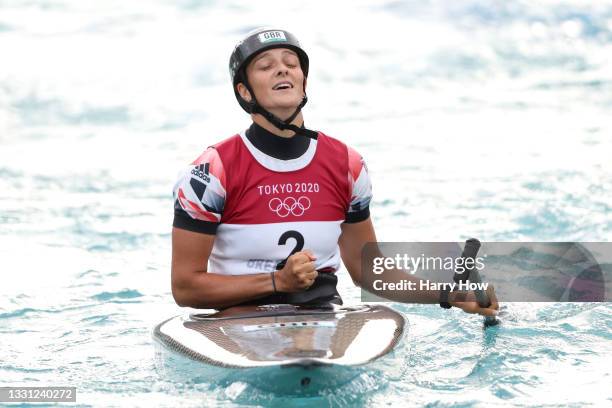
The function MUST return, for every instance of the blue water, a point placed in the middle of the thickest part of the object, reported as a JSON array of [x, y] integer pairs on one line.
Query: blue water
[[486, 119]]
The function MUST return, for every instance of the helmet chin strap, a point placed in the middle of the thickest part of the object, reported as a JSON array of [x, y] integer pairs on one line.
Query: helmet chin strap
[[278, 122]]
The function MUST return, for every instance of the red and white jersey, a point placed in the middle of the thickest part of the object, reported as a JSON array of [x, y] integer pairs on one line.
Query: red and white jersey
[[263, 208]]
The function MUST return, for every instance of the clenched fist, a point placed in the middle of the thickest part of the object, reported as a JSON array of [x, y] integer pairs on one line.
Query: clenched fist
[[298, 274]]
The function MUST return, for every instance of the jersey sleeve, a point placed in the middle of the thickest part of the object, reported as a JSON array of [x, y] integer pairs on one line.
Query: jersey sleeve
[[360, 188], [199, 194]]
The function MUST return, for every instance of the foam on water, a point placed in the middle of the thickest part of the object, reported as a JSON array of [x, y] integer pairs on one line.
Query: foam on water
[[476, 119]]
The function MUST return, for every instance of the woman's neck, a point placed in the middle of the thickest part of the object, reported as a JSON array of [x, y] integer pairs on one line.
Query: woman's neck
[[263, 122], [283, 148]]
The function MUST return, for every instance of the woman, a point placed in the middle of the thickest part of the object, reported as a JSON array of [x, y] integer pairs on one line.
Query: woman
[[265, 216]]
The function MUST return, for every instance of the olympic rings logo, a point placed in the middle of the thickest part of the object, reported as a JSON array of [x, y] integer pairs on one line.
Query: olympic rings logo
[[289, 205]]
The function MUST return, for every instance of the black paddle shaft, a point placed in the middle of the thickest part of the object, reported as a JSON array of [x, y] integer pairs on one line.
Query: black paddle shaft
[[470, 251]]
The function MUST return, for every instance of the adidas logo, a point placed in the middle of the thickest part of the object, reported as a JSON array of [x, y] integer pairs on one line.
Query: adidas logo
[[201, 172]]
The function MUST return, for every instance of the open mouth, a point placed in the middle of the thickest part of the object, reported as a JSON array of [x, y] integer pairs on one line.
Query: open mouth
[[282, 85]]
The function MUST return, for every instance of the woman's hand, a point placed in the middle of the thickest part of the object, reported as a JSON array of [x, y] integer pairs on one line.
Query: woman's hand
[[298, 274], [466, 301]]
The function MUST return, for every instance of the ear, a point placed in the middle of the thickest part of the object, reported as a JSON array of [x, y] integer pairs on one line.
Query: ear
[[305, 82], [243, 92]]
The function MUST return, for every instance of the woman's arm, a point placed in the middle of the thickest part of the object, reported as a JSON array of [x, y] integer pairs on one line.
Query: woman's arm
[[352, 240], [193, 285]]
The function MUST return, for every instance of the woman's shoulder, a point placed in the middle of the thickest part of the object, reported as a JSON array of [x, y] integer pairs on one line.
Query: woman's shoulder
[[210, 162], [212, 152], [341, 146]]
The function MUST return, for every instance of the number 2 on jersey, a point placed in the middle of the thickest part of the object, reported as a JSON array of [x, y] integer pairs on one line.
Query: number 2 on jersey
[[299, 245]]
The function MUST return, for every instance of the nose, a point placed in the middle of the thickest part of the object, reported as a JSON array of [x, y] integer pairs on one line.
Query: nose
[[282, 72]]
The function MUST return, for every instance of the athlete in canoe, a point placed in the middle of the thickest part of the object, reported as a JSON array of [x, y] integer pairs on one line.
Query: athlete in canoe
[[267, 215]]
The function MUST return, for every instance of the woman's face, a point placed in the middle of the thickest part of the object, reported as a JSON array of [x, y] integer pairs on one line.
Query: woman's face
[[277, 81]]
